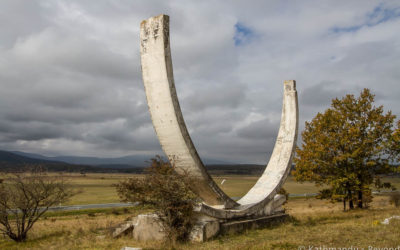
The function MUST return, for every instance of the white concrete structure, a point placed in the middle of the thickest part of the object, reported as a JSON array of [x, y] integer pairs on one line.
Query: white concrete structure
[[175, 140]]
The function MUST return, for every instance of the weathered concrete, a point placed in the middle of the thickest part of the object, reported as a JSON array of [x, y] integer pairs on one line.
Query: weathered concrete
[[147, 228], [277, 170], [165, 111], [204, 229], [261, 203], [124, 228]]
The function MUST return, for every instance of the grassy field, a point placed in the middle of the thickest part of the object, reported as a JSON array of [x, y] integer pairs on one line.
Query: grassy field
[[97, 188], [313, 223]]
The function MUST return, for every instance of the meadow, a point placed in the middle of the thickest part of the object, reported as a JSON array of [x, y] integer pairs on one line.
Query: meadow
[[312, 223], [98, 188]]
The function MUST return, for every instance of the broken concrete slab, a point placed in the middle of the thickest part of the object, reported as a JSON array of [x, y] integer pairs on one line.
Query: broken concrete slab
[[148, 228], [124, 228], [204, 229]]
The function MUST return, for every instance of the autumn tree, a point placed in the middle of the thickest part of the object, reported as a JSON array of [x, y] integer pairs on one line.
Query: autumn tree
[[395, 144], [25, 197], [347, 148], [168, 192]]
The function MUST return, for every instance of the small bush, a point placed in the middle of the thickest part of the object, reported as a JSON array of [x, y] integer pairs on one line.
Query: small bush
[[168, 192]]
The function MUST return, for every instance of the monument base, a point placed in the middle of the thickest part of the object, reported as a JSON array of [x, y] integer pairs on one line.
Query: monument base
[[208, 228], [248, 224], [147, 227]]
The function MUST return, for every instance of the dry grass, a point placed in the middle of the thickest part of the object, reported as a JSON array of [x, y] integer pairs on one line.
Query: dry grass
[[320, 224], [84, 231], [314, 223]]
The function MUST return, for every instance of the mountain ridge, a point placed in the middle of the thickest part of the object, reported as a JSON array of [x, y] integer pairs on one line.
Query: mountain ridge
[[12, 161], [128, 160]]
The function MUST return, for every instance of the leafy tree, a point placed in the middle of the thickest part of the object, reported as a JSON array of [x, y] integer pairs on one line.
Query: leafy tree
[[25, 197], [347, 148], [168, 192], [396, 143]]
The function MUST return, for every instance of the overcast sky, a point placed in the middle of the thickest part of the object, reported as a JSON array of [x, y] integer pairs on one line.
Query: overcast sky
[[70, 80]]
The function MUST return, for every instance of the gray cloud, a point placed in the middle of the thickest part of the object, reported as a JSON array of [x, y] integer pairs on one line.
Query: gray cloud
[[71, 83], [259, 130], [222, 96]]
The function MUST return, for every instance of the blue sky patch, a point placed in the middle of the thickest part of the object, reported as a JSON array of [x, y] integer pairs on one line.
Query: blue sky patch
[[375, 17], [346, 29], [381, 15], [243, 34]]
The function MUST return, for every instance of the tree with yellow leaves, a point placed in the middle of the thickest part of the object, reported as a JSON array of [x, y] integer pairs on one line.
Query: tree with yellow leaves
[[347, 148], [396, 143]]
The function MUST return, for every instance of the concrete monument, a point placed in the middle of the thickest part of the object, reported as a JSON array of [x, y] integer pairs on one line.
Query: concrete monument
[[219, 212]]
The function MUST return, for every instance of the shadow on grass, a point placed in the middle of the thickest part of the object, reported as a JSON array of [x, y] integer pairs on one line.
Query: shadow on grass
[[10, 244], [49, 236], [330, 218]]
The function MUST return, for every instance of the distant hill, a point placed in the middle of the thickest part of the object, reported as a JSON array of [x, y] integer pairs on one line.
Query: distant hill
[[11, 158], [13, 161], [129, 161], [10, 161]]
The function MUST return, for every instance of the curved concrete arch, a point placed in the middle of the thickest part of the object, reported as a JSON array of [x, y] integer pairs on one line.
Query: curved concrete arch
[[174, 138], [165, 111], [278, 168]]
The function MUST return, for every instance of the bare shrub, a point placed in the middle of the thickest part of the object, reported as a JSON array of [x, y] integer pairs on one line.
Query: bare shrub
[[25, 197], [168, 192]]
